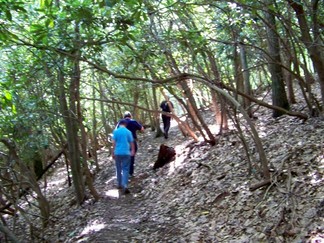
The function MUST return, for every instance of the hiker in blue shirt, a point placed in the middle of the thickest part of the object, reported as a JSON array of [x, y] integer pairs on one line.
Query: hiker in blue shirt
[[123, 149], [133, 126]]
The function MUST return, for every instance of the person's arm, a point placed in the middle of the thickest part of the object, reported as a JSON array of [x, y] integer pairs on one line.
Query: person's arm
[[139, 127], [132, 148]]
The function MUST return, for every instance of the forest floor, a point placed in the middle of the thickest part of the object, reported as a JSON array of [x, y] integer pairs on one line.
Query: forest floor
[[204, 194]]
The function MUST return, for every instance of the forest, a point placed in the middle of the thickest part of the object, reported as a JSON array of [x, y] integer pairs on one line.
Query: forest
[[70, 69]]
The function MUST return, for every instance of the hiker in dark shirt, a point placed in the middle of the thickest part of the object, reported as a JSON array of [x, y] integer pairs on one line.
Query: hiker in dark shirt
[[166, 106], [133, 126]]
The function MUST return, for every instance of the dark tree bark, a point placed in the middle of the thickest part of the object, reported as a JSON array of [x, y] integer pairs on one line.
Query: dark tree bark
[[27, 174], [313, 45], [71, 123], [94, 140], [218, 102], [77, 110], [246, 78], [174, 69], [165, 156], [279, 96]]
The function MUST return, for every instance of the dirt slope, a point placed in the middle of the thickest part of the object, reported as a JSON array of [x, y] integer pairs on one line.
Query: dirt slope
[[204, 196]]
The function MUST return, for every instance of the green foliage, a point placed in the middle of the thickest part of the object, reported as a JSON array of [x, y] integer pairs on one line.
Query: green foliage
[[132, 38], [45, 4]]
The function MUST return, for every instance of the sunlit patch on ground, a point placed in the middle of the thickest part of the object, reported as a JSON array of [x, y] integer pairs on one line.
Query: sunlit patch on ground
[[93, 227], [56, 183], [112, 193], [178, 162], [111, 180], [59, 182], [214, 128], [316, 176]]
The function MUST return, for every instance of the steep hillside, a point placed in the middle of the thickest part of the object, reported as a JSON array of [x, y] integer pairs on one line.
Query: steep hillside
[[204, 195]]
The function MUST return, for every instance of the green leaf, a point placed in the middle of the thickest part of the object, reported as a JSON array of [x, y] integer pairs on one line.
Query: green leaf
[[45, 3], [7, 95], [50, 23], [131, 3], [14, 110], [42, 3], [19, 8], [36, 28], [132, 37], [3, 36], [8, 15], [110, 3]]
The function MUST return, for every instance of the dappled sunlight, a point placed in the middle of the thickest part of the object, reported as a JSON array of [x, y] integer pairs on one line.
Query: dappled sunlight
[[93, 227], [179, 159], [110, 180], [316, 176], [173, 123], [112, 193], [214, 128], [55, 183]]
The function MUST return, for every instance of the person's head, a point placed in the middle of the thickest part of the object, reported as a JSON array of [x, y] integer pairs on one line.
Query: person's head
[[127, 114], [122, 122]]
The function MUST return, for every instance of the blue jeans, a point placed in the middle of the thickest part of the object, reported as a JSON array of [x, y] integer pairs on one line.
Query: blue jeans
[[122, 169]]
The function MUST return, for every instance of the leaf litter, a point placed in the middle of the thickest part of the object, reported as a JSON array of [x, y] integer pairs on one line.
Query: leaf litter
[[204, 194]]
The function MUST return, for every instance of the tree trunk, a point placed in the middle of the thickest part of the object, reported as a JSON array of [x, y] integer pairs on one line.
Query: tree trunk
[[156, 115], [238, 75], [26, 173], [9, 234], [103, 112], [263, 159], [85, 169], [314, 46], [279, 96], [75, 99], [94, 140], [246, 79], [175, 70], [218, 102], [216, 107], [195, 114], [136, 94], [71, 123]]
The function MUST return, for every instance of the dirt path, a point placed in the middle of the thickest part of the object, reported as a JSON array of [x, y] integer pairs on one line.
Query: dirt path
[[203, 196], [126, 218]]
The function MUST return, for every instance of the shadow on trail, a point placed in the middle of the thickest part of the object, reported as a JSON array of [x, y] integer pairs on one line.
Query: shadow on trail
[[129, 218]]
